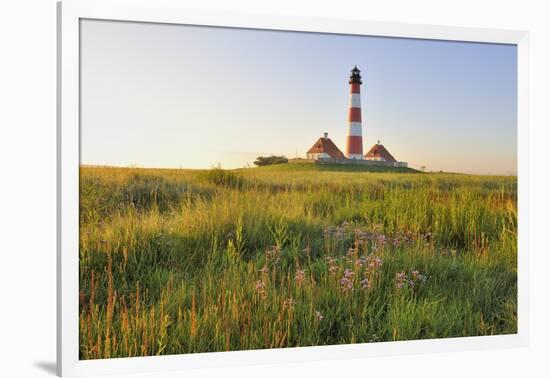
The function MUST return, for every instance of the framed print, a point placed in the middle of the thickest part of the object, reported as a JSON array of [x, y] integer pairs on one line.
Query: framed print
[[237, 189]]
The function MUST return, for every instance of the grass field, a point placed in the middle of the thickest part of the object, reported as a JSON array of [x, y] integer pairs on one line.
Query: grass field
[[184, 261]]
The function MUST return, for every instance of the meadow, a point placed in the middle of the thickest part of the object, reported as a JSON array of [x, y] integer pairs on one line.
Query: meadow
[[185, 261]]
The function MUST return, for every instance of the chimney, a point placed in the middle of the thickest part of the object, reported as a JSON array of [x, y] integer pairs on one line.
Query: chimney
[[325, 135]]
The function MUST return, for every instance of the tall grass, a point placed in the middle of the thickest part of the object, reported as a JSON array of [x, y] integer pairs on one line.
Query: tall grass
[[184, 261]]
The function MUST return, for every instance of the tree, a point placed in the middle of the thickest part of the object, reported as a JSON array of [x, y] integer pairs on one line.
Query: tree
[[270, 160]]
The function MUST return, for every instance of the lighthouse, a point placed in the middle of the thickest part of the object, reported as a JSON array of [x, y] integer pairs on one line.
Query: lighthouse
[[354, 138]]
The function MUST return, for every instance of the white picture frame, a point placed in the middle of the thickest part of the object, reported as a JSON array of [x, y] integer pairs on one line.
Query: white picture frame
[[171, 12]]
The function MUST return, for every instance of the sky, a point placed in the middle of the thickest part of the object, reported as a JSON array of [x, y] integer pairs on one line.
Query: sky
[[159, 95]]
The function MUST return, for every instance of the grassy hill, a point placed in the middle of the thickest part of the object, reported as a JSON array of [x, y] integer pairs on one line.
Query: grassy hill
[[309, 167], [184, 261]]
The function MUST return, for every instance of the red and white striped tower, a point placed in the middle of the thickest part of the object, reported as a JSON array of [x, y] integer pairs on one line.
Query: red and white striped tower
[[354, 139]]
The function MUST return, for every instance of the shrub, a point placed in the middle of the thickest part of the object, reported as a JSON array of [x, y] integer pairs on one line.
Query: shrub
[[270, 160]]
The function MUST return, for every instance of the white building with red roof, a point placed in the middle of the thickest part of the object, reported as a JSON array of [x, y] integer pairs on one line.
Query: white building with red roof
[[379, 153], [324, 148]]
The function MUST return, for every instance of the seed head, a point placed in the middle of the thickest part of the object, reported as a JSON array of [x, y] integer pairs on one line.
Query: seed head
[[260, 288], [289, 303], [300, 276]]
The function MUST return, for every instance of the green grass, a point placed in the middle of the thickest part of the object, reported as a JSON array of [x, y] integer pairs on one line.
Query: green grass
[[310, 166], [184, 261]]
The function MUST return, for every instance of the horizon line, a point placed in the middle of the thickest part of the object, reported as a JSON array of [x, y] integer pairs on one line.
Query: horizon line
[[137, 166]]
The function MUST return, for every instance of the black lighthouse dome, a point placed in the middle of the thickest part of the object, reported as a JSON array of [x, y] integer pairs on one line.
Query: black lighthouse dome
[[355, 77]]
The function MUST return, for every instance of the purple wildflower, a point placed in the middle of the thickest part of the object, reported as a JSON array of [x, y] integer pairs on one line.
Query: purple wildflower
[[365, 284], [400, 280], [348, 273], [346, 282]]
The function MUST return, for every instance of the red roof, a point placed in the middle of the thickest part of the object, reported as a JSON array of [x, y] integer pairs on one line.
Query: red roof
[[380, 152], [327, 146]]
